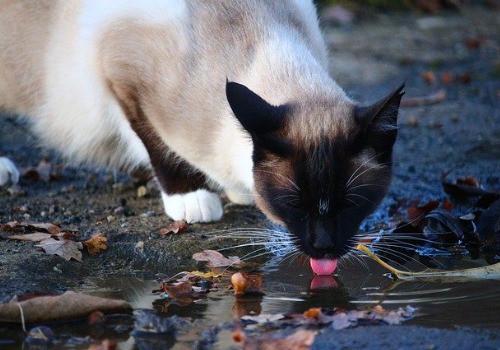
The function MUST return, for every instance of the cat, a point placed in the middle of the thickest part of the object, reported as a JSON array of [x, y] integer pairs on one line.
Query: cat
[[212, 95]]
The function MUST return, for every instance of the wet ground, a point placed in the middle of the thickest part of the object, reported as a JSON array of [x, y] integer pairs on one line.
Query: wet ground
[[370, 57]]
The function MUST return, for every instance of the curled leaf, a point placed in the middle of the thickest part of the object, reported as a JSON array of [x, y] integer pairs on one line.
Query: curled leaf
[[247, 283], [96, 243], [67, 306], [64, 248], [174, 227], [216, 259]]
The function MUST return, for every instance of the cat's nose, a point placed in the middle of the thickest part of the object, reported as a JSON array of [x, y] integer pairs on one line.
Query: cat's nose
[[323, 240]]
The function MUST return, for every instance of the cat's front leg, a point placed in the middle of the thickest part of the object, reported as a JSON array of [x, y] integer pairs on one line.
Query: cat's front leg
[[185, 194], [8, 172], [184, 191], [197, 206]]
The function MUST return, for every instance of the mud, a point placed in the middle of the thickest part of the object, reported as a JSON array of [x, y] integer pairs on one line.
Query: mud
[[368, 58]]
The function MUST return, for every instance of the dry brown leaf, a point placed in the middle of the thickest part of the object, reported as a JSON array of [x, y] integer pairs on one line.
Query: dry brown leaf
[[67, 306], [247, 283], [314, 312], [415, 213], [96, 244], [447, 78], [32, 237], [183, 293], [174, 227], [429, 77], [43, 171], [64, 248], [216, 259], [298, 340], [30, 227]]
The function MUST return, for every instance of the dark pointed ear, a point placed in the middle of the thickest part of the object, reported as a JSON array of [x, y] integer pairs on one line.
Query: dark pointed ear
[[379, 121], [382, 114], [253, 112]]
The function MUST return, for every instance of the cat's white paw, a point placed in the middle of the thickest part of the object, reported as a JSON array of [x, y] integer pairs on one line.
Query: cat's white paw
[[8, 172], [243, 198], [198, 206]]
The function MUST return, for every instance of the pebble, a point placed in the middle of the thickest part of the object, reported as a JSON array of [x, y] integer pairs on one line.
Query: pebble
[[111, 218], [140, 247], [148, 214], [142, 191]]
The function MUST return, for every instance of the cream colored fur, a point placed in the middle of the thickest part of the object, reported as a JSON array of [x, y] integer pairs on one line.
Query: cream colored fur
[[59, 56]]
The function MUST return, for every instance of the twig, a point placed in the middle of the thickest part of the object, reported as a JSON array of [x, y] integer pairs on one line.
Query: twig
[[484, 272]]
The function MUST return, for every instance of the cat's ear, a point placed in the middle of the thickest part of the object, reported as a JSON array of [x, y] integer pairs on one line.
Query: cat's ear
[[258, 117], [255, 114], [379, 121]]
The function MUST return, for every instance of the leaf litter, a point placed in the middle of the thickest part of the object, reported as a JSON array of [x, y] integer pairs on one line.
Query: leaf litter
[[67, 306], [55, 241]]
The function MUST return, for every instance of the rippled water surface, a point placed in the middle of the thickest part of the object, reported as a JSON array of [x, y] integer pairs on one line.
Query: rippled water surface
[[288, 290]]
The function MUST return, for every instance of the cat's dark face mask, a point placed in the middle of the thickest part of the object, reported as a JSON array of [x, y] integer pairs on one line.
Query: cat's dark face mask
[[320, 179]]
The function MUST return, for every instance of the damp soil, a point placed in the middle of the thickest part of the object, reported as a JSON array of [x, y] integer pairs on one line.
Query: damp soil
[[370, 57]]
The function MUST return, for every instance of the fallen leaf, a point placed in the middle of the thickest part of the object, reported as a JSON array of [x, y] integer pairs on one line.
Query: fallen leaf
[[437, 97], [238, 336], [443, 226], [415, 213], [149, 323], [301, 339], [30, 227], [429, 77], [31, 237], [483, 272], [447, 78], [64, 248], [313, 312], [67, 306], [247, 283], [465, 187], [96, 244], [174, 227], [216, 259], [43, 171], [183, 293]]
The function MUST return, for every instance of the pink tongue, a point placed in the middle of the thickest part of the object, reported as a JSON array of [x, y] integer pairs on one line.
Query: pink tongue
[[323, 267]]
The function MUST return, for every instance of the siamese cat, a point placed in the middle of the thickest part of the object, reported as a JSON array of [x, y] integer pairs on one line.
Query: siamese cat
[[212, 95]]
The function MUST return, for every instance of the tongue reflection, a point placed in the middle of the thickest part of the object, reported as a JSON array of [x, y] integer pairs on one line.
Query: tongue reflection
[[323, 267]]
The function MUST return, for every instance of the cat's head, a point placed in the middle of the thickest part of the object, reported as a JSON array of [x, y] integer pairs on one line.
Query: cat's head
[[320, 167]]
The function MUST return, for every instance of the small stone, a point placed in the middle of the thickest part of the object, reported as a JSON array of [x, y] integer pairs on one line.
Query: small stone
[[139, 247], [412, 122], [56, 269], [26, 216], [111, 218], [119, 210], [142, 191]]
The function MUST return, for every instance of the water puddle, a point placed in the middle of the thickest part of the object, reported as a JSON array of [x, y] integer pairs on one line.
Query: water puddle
[[288, 288]]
